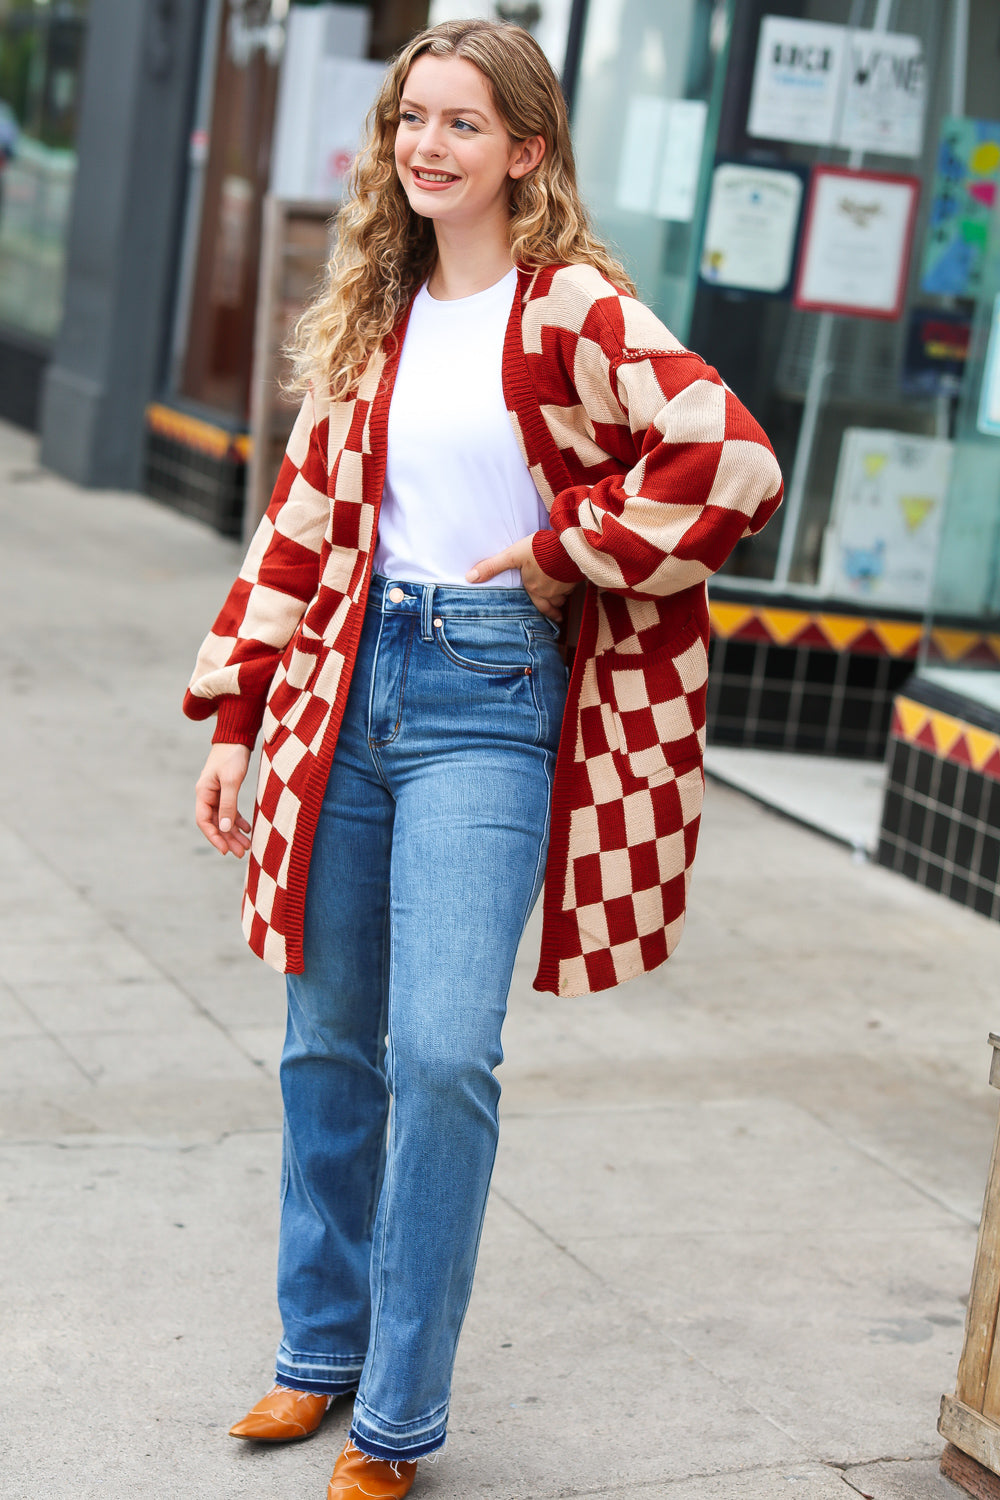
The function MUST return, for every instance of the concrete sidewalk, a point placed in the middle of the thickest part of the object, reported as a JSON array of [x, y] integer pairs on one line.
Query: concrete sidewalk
[[734, 1213]]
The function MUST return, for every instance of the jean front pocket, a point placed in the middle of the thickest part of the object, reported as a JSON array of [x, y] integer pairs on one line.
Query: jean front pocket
[[653, 704], [492, 647]]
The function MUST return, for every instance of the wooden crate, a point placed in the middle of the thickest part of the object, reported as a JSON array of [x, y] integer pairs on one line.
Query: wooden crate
[[970, 1419], [295, 246]]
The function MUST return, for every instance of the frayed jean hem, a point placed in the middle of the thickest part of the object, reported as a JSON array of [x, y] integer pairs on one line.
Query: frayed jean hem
[[377, 1438], [318, 1379]]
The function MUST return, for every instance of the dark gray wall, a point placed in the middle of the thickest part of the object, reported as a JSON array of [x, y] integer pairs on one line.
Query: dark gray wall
[[139, 78]]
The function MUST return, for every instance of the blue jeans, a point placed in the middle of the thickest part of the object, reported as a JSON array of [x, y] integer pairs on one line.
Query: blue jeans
[[428, 858]]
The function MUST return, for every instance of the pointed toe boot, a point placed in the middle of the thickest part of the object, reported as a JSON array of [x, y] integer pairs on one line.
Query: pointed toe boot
[[358, 1477], [283, 1416]]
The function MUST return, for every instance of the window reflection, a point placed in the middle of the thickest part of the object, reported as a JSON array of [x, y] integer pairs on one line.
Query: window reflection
[[41, 53]]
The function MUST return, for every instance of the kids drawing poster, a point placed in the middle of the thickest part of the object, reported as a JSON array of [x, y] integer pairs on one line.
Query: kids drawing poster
[[885, 521], [965, 189]]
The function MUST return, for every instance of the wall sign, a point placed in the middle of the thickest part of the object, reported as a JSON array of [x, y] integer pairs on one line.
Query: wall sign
[[856, 243], [796, 80], [752, 227], [885, 94], [829, 85]]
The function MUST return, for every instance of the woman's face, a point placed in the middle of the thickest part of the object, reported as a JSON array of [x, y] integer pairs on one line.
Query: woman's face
[[453, 154]]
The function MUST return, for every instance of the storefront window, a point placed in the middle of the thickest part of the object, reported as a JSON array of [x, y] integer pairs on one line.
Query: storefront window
[[231, 148], [734, 154], [962, 637], [941, 814], [233, 170], [838, 388], [41, 54]]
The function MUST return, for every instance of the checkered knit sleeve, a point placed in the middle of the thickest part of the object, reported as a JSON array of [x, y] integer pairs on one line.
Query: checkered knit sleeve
[[279, 577], [679, 470]]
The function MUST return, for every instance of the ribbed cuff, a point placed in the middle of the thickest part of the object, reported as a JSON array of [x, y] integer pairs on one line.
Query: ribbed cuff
[[553, 559], [235, 723]]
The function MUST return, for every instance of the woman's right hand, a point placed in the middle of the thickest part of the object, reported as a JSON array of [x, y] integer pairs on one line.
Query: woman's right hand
[[215, 808]]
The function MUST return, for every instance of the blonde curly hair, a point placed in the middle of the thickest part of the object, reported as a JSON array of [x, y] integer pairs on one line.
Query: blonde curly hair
[[384, 251]]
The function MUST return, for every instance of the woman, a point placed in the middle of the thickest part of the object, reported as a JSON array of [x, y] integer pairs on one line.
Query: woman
[[489, 421]]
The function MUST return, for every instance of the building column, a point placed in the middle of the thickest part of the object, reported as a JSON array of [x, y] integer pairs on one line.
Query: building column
[[138, 83]]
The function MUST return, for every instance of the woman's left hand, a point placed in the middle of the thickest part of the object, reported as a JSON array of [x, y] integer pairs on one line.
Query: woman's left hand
[[546, 594]]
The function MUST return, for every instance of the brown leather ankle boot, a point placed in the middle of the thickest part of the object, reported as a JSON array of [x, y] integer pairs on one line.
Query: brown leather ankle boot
[[283, 1416], [358, 1477]]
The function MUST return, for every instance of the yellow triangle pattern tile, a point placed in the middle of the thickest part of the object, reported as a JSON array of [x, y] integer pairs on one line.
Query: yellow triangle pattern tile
[[981, 745], [954, 644], [897, 636], [912, 717], [841, 630], [783, 625], [946, 731], [728, 618]]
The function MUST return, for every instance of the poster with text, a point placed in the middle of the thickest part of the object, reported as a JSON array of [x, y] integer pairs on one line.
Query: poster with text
[[966, 181], [856, 242], [885, 94], [885, 520], [796, 81], [752, 227]]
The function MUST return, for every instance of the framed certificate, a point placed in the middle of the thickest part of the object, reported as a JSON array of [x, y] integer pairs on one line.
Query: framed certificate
[[856, 243], [752, 226]]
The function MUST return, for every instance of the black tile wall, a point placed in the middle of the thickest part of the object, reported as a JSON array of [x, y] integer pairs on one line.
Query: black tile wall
[[801, 698], [211, 489], [941, 827]]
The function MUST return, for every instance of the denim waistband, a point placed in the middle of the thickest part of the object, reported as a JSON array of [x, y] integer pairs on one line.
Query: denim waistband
[[427, 600]]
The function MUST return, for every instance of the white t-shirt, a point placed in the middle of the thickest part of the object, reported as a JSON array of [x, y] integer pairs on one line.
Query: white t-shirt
[[457, 489]]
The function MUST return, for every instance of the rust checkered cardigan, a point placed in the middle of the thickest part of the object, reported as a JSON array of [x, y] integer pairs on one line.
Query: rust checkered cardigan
[[652, 471]]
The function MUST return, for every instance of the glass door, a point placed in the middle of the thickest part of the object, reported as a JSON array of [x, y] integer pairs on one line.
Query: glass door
[[645, 116]]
